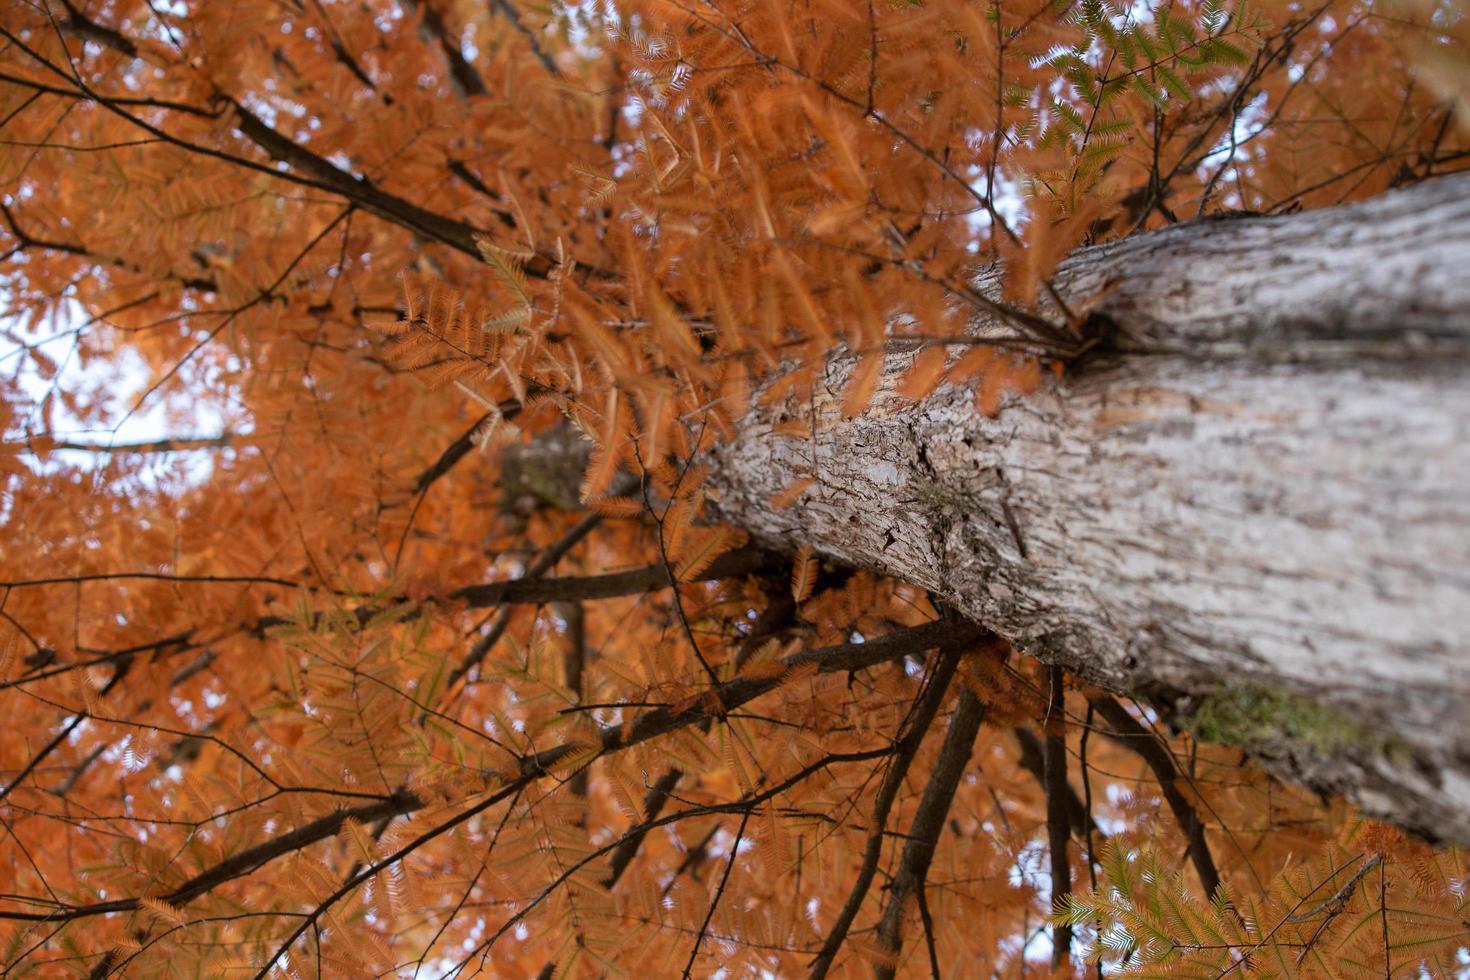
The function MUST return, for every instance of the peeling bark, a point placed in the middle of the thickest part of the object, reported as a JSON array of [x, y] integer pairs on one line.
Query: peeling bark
[[1255, 494]]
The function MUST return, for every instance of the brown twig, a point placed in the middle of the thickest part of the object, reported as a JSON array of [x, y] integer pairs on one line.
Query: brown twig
[[1033, 760]]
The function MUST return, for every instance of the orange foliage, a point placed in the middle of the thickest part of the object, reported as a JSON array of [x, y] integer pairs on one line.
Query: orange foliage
[[271, 707]]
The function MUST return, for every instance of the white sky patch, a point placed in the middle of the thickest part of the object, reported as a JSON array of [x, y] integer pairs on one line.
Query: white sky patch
[[106, 390], [1233, 150]]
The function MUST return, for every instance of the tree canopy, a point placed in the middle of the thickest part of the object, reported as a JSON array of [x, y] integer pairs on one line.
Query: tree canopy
[[361, 609]]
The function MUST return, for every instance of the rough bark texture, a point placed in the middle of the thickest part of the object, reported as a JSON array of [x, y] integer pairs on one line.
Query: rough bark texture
[[1251, 504]]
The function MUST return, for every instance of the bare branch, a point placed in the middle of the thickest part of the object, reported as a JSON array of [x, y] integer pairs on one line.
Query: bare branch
[[239, 864], [574, 666], [452, 454], [462, 74], [653, 804], [1058, 835], [921, 717], [175, 444], [1126, 730], [923, 835], [1033, 760], [511, 14]]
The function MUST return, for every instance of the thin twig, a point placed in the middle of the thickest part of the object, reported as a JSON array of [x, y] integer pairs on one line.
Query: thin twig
[[719, 893]]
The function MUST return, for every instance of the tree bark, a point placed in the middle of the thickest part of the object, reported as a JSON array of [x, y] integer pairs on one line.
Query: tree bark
[[1251, 504]]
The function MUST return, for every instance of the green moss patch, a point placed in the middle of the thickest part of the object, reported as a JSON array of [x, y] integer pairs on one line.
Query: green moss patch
[[1248, 715]]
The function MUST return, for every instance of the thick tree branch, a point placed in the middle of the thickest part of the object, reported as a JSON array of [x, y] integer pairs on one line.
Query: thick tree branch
[[359, 190], [1254, 483], [574, 668], [530, 589], [80, 25], [311, 169], [452, 454]]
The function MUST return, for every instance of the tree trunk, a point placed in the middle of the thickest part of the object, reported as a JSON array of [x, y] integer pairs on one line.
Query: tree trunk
[[1251, 504]]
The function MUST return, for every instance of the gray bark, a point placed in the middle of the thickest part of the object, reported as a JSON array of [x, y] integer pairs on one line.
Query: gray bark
[[1251, 504]]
